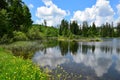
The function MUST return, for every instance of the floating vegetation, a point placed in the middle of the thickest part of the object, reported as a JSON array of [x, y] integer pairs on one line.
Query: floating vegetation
[[61, 74]]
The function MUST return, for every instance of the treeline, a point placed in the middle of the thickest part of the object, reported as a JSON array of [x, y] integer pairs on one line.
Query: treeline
[[106, 30], [16, 24], [14, 17]]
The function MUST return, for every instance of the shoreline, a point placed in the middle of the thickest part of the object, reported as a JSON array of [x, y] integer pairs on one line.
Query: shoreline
[[80, 39]]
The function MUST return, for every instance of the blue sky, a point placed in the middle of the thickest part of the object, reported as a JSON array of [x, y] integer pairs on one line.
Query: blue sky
[[53, 11]]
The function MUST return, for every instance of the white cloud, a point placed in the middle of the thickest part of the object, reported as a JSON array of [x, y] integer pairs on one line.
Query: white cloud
[[51, 13], [99, 13], [118, 14], [31, 6], [118, 65], [118, 8], [49, 59], [100, 61]]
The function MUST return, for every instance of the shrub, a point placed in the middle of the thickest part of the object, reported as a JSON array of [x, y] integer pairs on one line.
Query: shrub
[[51, 32], [4, 39], [19, 36]]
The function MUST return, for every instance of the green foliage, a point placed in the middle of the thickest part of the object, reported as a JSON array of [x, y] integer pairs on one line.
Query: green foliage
[[18, 36], [63, 27], [45, 31], [118, 29], [74, 28], [34, 33], [4, 24], [27, 22], [85, 29], [107, 30], [4, 39], [92, 31], [12, 68], [3, 4], [51, 32], [14, 16], [42, 28]]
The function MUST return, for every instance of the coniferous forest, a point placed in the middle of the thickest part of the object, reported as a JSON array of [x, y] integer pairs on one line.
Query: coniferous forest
[[16, 24]]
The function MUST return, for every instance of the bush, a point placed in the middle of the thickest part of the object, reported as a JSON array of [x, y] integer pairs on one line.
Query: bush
[[6, 39], [19, 36], [51, 32], [34, 33]]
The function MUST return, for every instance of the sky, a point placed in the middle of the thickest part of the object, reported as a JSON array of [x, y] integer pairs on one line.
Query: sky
[[53, 11]]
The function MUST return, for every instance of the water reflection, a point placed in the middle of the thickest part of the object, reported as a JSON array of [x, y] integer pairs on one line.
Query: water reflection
[[51, 58], [63, 47], [102, 58], [74, 47], [66, 47], [100, 62]]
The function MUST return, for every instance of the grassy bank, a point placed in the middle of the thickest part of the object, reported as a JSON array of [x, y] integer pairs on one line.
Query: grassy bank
[[79, 39], [15, 68]]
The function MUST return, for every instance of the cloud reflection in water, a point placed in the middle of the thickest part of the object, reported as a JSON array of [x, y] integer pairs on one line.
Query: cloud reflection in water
[[52, 57], [97, 56]]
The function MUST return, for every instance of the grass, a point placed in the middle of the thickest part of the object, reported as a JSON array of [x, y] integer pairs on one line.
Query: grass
[[79, 39], [15, 68]]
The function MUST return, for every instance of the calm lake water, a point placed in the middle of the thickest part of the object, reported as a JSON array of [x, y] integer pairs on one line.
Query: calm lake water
[[82, 60], [74, 60]]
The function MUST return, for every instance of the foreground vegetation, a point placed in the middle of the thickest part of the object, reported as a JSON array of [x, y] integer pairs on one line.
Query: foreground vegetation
[[14, 68]]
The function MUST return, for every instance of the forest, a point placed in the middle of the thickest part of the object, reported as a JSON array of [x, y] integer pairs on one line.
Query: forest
[[16, 24]]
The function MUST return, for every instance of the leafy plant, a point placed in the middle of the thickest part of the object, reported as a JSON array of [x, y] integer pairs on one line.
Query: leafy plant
[[34, 33], [19, 36]]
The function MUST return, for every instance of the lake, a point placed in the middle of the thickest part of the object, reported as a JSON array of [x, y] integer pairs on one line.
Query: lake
[[80, 60]]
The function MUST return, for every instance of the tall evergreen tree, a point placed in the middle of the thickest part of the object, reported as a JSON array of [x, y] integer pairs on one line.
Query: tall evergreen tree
[[85, 29], [63, 27], [92, 32], [27, 22], [118, 29], [14, 15], [74, 28], [4, 23]]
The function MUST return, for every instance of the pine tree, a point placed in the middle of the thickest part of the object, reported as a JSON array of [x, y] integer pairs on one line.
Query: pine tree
[[63, 27], [74, 28], [118, 29], [85, 29]]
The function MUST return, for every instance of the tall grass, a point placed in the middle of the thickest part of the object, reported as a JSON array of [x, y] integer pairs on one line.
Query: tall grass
[[15, 68]]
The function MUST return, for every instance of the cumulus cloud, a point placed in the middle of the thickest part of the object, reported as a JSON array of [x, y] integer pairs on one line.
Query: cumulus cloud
[[31, 6], [51, 13], [118, 8], [99, 13], [118, 14]]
